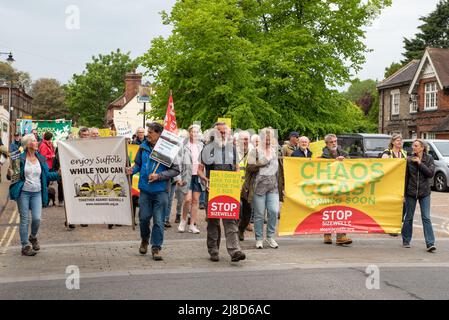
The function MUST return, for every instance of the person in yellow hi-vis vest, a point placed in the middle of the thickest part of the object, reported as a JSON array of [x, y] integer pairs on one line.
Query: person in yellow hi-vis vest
[[395, 151], [243, 149]]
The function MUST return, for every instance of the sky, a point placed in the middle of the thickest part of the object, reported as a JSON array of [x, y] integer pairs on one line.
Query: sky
[[48, 38]]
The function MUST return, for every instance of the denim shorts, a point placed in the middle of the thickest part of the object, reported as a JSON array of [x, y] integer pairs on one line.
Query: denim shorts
[[195, 184]]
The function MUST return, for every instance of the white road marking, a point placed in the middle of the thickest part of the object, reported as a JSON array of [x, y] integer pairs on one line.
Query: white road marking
[[13, 216]]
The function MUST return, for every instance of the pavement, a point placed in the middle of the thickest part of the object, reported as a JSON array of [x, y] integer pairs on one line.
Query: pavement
[[110, 266]]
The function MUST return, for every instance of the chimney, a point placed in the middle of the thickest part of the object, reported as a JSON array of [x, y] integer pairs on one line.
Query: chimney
[[132, 82]]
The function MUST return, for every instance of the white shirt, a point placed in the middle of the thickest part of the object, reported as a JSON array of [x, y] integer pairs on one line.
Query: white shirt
[[32, 177]]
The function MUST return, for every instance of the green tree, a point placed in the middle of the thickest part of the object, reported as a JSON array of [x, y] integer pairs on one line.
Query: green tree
[[49, 99], [262, 62], [364, 94], [434, 33], [390, 70], [103, 81], [21, 78]]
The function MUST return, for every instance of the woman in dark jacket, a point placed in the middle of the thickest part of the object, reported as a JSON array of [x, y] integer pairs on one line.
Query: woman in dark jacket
[[31, 193], [420, 168]]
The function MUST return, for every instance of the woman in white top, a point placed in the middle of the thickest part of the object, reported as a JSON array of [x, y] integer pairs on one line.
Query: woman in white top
[[31, 193], [190, 183]]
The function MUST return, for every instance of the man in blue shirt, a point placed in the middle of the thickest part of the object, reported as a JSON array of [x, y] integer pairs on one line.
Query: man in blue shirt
[[154, 186]]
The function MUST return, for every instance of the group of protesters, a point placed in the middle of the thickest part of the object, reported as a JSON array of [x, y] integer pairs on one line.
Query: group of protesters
[[258, 158]]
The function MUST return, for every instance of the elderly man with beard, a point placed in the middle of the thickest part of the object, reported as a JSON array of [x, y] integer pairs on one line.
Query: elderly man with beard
[[333, 151], [220, 154]]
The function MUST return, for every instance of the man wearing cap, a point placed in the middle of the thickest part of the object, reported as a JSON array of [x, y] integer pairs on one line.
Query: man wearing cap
[[292, 145], [15, 144]]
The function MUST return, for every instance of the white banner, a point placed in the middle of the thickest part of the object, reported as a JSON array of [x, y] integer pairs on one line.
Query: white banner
[[166, 148], [96, 188], [124, 129]]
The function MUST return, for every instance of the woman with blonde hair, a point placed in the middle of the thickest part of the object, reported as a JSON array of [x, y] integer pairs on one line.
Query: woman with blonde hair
[[395, 149], [31, 192], [264, 185]]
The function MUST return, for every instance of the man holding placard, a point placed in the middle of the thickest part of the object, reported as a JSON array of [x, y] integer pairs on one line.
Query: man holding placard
[[220, 158], [154, 186]]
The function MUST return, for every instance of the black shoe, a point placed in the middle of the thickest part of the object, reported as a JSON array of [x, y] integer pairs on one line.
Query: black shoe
[[167, 224], [28, 251], [214, 257], [202, 206], [71, 226], [431, 249], [84, 225], [241, 235], [118, 225], [178, 219], [110, 226], [239, 255], [34, 243]]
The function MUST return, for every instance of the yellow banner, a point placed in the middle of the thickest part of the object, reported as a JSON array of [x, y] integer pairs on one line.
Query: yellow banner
[[132, 151], [228, 121], [350, 196], [224, 195], [105, 132], [317, 148]]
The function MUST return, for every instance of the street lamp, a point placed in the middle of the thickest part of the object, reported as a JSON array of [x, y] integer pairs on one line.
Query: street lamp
[[10, 58]]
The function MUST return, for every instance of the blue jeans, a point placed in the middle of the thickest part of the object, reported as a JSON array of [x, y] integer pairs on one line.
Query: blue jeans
[[407, 227], [26, 202], [153, 205], [269, 201], [170, 202]]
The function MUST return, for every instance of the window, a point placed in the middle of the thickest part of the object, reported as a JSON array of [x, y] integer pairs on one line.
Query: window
[[414, 103], [428, 135], [431, 96], [395, 99]]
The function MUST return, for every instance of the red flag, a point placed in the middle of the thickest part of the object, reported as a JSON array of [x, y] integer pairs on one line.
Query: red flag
[[170, 117]]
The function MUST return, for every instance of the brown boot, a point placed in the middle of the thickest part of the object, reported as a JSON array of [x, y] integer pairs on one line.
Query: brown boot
[[156, 254], [28, 251], [143, 247], [343, 239], [35, 243], [328, 239]]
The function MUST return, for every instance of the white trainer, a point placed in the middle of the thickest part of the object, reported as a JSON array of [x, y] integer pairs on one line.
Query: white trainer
[[259, 244], [272, 243], [193, 229], [182, 226]]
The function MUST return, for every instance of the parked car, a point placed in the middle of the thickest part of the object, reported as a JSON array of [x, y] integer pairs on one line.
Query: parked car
[[364, 145], [439, 150]]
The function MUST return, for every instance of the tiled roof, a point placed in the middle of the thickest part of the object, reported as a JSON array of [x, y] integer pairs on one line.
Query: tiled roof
[[402, 76]]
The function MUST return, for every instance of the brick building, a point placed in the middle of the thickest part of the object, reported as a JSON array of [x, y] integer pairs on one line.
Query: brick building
[[414, 101], [21, 103]]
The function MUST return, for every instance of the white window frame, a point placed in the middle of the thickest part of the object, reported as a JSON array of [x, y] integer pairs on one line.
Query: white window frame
[[428, 135], [414, 103], [431, 96], [395, 104]]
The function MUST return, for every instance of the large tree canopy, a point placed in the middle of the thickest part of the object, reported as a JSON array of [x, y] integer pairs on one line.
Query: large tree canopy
[[262, 62], [19, 78], [103, 81], [48, 99], [434, 33]]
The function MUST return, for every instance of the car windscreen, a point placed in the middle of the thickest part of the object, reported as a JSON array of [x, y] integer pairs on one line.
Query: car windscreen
[[352, 146], [443, 147], [376, 144]]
